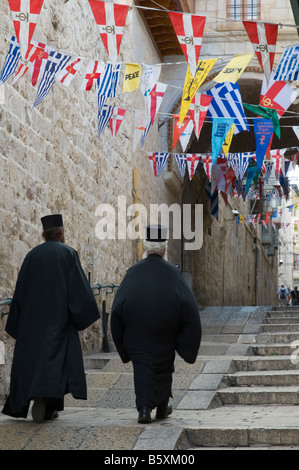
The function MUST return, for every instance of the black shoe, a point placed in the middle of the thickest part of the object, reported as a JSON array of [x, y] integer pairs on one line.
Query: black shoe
[[144, 415], [162, 413], [38, 410]]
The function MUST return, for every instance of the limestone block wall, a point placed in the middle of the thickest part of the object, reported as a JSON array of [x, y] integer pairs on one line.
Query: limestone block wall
[[51, 159]]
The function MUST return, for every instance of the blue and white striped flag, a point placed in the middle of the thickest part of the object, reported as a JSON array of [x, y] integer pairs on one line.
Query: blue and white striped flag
[[227, 102], [103, 118], [145, 132], [11, 60], [158, 161], [56, 61], [213, 199], [108, 80], [288, 67], [181, 160]]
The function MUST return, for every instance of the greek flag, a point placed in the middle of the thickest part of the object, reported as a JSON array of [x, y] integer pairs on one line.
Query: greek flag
[[226, 103], [288, 67], [56, 61], [181, 160], [11, 61], [103, 118], [213, 198], [108, 80]]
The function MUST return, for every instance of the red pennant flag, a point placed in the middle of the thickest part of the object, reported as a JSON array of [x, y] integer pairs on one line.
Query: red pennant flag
[[111, 19], [25, 15], [263, 37], [116, 120], [189, 30], [192, 162], [178, 129], [198, 110]]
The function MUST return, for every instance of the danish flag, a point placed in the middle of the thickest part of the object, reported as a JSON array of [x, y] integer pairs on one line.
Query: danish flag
[[189, 30], [93, 72], [198, 110], [25, 15], [116, 120], [192, 162], [110, 18], [207, 164], [263, 37], [66, 75], [155, 98]]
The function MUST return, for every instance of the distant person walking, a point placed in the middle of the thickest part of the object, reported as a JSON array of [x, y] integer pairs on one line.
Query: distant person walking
[[51, 302], [283, 295], [154, 314]]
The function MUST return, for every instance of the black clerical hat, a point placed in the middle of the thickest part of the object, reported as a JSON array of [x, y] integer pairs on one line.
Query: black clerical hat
[[50, 221], [156, 233]]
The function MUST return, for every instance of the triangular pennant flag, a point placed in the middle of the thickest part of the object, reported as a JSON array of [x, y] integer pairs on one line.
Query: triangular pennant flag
[[155, 98], [132, 77], [244, 162], [228, 140], [108, 80], [192, 162], [233, 161], [93, 71], [25, 14], [198, 110], [66, 75], [186, 135], [268, 166], [158, 161], [278, 95], [191, 84], [288, 67], [145, 132], [104, 116], [40, 61], [189, 30], [55, 63], [11, 61], [34, 59], [207, 164], [116, 120], [220, 128], [150, 76], [278, 160], [263, 37], [179, 128], [234, 69], [181, 160], [263, 130], [111, 19], [251, 172], [140, 126]]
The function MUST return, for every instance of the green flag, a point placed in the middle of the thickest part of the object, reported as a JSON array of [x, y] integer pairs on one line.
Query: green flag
[[265, 113]]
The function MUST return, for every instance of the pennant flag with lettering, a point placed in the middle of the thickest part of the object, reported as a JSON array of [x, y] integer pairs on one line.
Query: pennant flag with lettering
[[111, 19], [158, 161], [55, 63], [189, 30], [191, 84], [263, 130], [108, 80], [220, 128], [234, 69], [228, 140], [140, 126], [181, 160], [150, 76], [207, 164], [263, 37], [92, 73], [35, 54], [66, 75], [186, 135], [25, 14], [155, 98], [192, 162], [227, 102], [288, 67], [278, 95], [132, 77], [116, 120], [198, 110], [278, 160], [104, 116], [179, 128], [11, 61], [251, 172]]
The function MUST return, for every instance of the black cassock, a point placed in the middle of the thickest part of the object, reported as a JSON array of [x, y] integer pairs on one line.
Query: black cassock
[[154, 314], [51, 302]]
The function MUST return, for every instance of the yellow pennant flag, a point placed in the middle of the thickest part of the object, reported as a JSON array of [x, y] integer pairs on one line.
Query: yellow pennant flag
[[228, 140], [233, 70], [192, 84], [131, 77]]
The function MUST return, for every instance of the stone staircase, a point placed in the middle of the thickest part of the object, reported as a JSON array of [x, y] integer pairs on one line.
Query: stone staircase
[[265, 380]]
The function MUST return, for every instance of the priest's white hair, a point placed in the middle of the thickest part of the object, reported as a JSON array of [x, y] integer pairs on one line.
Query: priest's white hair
[[154, 247]]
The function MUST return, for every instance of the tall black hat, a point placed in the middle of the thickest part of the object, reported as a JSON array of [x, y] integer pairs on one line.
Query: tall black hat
[[50, 221], [156, 233]]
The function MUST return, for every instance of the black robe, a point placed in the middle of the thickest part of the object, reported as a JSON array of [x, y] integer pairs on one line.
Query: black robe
[[154, 314], [51, 302]]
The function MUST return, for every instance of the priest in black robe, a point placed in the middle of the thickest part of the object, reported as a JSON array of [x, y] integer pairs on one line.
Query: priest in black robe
[[155, 314], [51, 303]]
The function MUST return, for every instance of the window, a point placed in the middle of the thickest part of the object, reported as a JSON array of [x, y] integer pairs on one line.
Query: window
[[296, 262], [244, 9]]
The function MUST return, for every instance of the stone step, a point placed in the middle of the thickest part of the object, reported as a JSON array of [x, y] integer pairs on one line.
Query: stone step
[[277, 337], [283, 316], [282, 320], [264, 363], [280, 328], [277, 349], [261, 378], [258, 396]]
